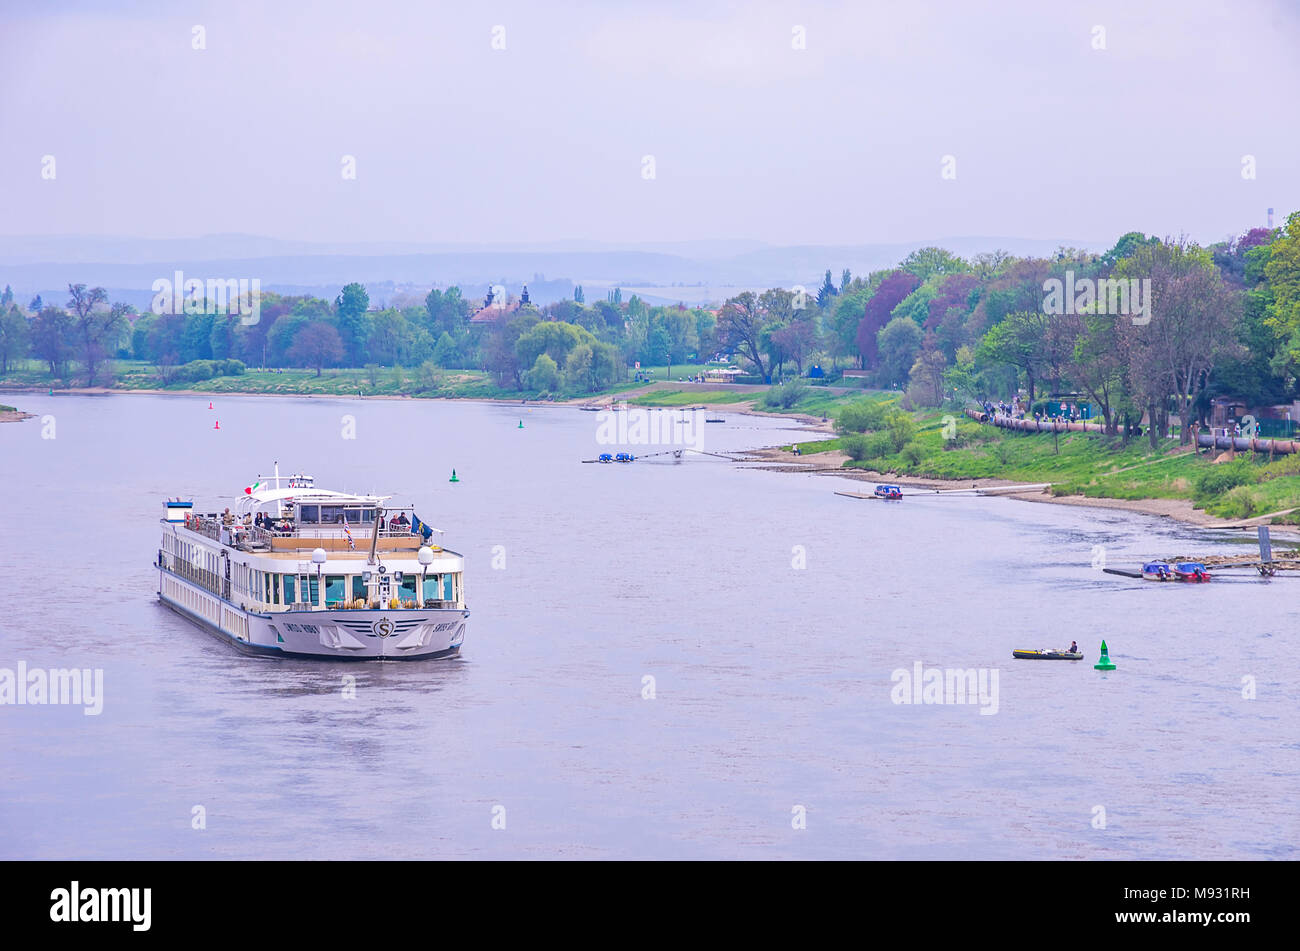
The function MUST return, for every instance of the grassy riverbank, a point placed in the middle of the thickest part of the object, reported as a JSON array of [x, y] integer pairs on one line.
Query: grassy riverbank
[[1084, 465]]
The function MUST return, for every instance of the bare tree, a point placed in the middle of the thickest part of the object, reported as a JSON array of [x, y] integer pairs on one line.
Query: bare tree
[[97, 328]]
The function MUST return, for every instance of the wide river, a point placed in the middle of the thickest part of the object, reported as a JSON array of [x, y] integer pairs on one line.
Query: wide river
[[770, 614]]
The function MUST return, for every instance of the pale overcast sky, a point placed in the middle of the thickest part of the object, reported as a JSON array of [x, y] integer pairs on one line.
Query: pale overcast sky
[[839, 142]]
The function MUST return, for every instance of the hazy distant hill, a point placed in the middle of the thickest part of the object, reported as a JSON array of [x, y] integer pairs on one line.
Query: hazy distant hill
[[129, 266]]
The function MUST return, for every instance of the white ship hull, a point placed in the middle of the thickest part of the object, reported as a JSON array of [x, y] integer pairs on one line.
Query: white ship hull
[[373, 634]]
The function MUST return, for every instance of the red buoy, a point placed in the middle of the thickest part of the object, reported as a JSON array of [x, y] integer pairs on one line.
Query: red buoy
[[217, 424]]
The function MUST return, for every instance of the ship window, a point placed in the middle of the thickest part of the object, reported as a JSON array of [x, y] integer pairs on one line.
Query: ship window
[[309, 514], [354, 515], [407, 587], [431, 587], [358, 586], [289, 596], [446, 587], [313, 587], [334, 588]]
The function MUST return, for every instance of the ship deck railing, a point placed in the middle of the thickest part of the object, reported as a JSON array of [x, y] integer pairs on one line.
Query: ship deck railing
[[253, 538]]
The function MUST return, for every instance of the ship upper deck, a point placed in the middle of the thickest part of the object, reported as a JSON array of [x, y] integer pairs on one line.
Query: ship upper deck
[[283, 523]]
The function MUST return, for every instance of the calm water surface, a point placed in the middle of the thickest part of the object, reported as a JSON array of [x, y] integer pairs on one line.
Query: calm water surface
[[772, 683]]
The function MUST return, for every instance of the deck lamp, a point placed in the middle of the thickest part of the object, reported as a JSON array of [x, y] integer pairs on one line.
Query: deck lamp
[[425, 556], [318, 559]]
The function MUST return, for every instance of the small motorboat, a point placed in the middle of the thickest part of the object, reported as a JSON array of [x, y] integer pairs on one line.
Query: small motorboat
[[888, 492], [606, 457], [1158, 571], [1192, 571], [1045, 655], [625, 457], [715, 420]]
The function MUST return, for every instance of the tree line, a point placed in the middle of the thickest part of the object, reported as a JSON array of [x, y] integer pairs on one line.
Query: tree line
[[1223, 319]]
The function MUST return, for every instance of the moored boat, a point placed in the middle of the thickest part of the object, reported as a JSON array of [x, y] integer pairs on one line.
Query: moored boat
[[1192, 571], [1158, 571], [888, 492], [285, 575]]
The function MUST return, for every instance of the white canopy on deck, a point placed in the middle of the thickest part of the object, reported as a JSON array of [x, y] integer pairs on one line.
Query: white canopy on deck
[[309, 497]]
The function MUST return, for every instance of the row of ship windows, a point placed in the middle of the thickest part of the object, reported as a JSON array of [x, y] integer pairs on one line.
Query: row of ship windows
[[272, 588]]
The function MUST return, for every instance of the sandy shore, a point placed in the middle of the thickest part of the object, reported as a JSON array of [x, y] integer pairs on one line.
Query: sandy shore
[[775, 459], [14, 416]]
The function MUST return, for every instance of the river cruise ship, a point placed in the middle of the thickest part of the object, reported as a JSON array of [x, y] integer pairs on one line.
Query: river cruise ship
[[293, 570]]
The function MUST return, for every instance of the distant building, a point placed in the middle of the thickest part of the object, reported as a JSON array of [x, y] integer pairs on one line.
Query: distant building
[[494, 310]]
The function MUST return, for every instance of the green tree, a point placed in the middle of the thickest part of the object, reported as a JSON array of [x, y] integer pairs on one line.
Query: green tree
[[15, 337], [1019, 342], [388, 338], [351, 306], [1282, 272], [898, 342], [826, 293], [445, 353], [544, 376], [927, 262]]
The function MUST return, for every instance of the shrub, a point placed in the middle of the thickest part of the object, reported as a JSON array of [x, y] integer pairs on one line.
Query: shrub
[[968, 434], [1286, 466], [854, 446], [860, 416], [1238, 503], [864, 448], [786, 396], [900, 428], [1222, 478], [913, 453]]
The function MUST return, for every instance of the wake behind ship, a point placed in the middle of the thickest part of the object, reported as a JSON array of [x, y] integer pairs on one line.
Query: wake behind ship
[[306, 572]]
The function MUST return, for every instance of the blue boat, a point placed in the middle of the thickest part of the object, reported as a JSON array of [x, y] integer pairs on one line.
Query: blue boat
[[1158, 571], [888, 492], [605, 457]]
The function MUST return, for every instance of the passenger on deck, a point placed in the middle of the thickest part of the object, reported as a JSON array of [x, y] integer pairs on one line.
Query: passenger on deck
[[227, 518], [1074, 648]]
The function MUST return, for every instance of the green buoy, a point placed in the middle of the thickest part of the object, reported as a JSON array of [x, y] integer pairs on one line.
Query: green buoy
[[1104, 663], [521, 424], [453, 476]]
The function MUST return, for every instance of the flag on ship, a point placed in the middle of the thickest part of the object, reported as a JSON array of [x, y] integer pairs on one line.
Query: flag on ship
[[419, 528], [352, 546], [250, 489]]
